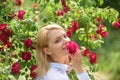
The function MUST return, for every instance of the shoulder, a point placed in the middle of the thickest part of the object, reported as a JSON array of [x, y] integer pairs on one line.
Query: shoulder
[[54, 74]]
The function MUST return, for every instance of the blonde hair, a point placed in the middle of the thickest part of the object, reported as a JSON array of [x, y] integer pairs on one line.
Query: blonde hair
[[43, 59]]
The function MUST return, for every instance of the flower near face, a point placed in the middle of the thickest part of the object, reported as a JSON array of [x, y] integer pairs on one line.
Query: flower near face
[[15, 68], [93, 58], [26, 56], [72, 47], [28, 43], [21, 14], [32, 71]]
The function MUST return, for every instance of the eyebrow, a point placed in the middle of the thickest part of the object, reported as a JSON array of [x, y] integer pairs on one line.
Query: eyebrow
[[60, 36]]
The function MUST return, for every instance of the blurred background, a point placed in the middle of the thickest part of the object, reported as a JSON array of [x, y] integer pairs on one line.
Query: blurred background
[[109, 53]]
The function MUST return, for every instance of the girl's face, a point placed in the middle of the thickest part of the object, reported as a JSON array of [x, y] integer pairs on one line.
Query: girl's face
[[57, 43]]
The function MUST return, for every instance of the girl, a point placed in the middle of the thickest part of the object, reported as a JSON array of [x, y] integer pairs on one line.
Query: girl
[[52, 55]]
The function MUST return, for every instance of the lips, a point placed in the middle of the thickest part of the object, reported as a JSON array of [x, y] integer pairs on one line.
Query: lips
[[64, 48]]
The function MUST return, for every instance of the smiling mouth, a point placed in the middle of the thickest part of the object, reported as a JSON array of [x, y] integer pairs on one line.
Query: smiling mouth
[[64, 48]]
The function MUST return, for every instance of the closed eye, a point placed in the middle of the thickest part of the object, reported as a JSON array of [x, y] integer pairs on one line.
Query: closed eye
[[58, 40]]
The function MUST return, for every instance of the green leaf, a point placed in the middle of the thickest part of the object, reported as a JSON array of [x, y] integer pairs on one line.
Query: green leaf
[[48, 0], [56, 1], [101, 2], [45, 20]]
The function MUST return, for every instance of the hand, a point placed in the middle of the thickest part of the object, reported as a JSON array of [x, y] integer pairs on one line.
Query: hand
[[76, 62]]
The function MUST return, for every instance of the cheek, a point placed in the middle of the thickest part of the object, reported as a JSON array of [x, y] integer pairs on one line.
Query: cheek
[[57, 47]]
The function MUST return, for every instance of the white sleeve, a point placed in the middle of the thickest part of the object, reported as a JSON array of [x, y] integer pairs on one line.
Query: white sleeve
[[83, 76]]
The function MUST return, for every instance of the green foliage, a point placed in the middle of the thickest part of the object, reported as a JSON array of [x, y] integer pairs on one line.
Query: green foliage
[[82, 11]]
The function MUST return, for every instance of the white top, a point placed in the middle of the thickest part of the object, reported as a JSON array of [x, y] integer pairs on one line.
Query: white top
[[57, 71]]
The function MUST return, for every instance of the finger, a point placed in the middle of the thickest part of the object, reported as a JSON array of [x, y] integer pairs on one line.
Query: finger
[[66, 60]]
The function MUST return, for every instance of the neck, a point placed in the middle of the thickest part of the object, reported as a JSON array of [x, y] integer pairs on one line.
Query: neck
[[61, 59]]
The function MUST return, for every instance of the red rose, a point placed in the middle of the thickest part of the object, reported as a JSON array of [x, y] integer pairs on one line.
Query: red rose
[[18, 2], [69, 32], [3, 27], [21, 14], [4, 37], [32, 72], [8, 32], [8, 44], [86, 52], [60, 13], [72, 47], [66, 9], [63, 3], [116, 24], [26, 56], [75, 25], [104, 34], [93, 58], [28, 43], [15, 68], [99, 20]]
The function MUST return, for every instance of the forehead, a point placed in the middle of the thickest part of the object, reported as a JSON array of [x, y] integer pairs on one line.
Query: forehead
[[53, 34]]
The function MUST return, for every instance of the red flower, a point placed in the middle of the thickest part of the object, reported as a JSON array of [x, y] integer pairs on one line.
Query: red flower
[[104, 34], [99, 20], [66, 9], [75, 25], [3, 27], [26, 56], [69, 32], [93, 58], [60, 13], [63, 3], [4, 37], [21, 14], [116, 24], [86, 52], [28, 43], [18, 2], [15, 68], [72, 47], [8, 32], [8, 44], [32, 71]]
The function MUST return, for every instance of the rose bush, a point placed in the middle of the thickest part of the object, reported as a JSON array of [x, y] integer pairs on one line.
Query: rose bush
[[19, 26]]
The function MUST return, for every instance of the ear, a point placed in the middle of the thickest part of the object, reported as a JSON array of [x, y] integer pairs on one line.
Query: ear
[[46, 51]]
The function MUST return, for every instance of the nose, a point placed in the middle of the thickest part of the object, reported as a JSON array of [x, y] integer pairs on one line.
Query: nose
[[66, 40]]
